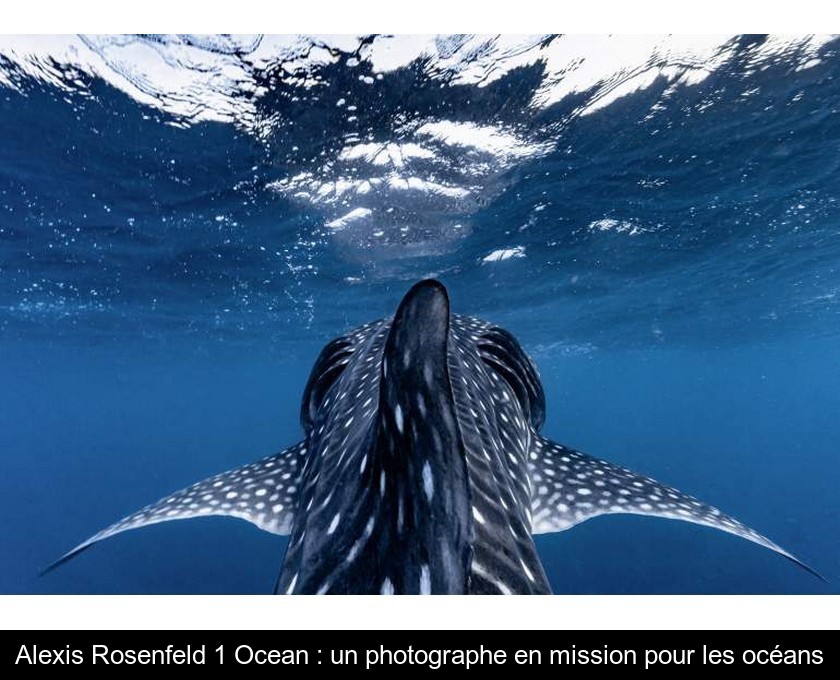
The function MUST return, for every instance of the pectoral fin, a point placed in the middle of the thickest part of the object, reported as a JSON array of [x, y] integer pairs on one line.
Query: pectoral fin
[[263, 493], [569, 487]]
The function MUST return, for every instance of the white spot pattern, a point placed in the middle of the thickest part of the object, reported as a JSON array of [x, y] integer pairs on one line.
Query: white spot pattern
[[617, 490], [213, 496]]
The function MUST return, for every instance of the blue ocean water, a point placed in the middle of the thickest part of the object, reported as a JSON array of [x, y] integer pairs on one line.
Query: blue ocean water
[[185, 221]]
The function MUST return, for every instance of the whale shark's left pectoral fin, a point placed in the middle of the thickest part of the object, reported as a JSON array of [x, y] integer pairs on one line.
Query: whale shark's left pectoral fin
[[263, 493], [569, 487]]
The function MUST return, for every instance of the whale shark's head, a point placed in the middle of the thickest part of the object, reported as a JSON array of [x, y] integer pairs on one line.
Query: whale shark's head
[[395, 413], [422, 468]]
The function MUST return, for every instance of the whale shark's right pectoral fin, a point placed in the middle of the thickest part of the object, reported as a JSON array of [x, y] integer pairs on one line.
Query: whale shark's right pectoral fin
[[570, 487], [263, 493]]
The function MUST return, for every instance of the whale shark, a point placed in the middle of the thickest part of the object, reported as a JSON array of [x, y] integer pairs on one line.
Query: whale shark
[[422, 469]]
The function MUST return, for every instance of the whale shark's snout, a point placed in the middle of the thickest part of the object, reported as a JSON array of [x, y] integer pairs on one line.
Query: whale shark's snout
[[422, 468], [386, 499]]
